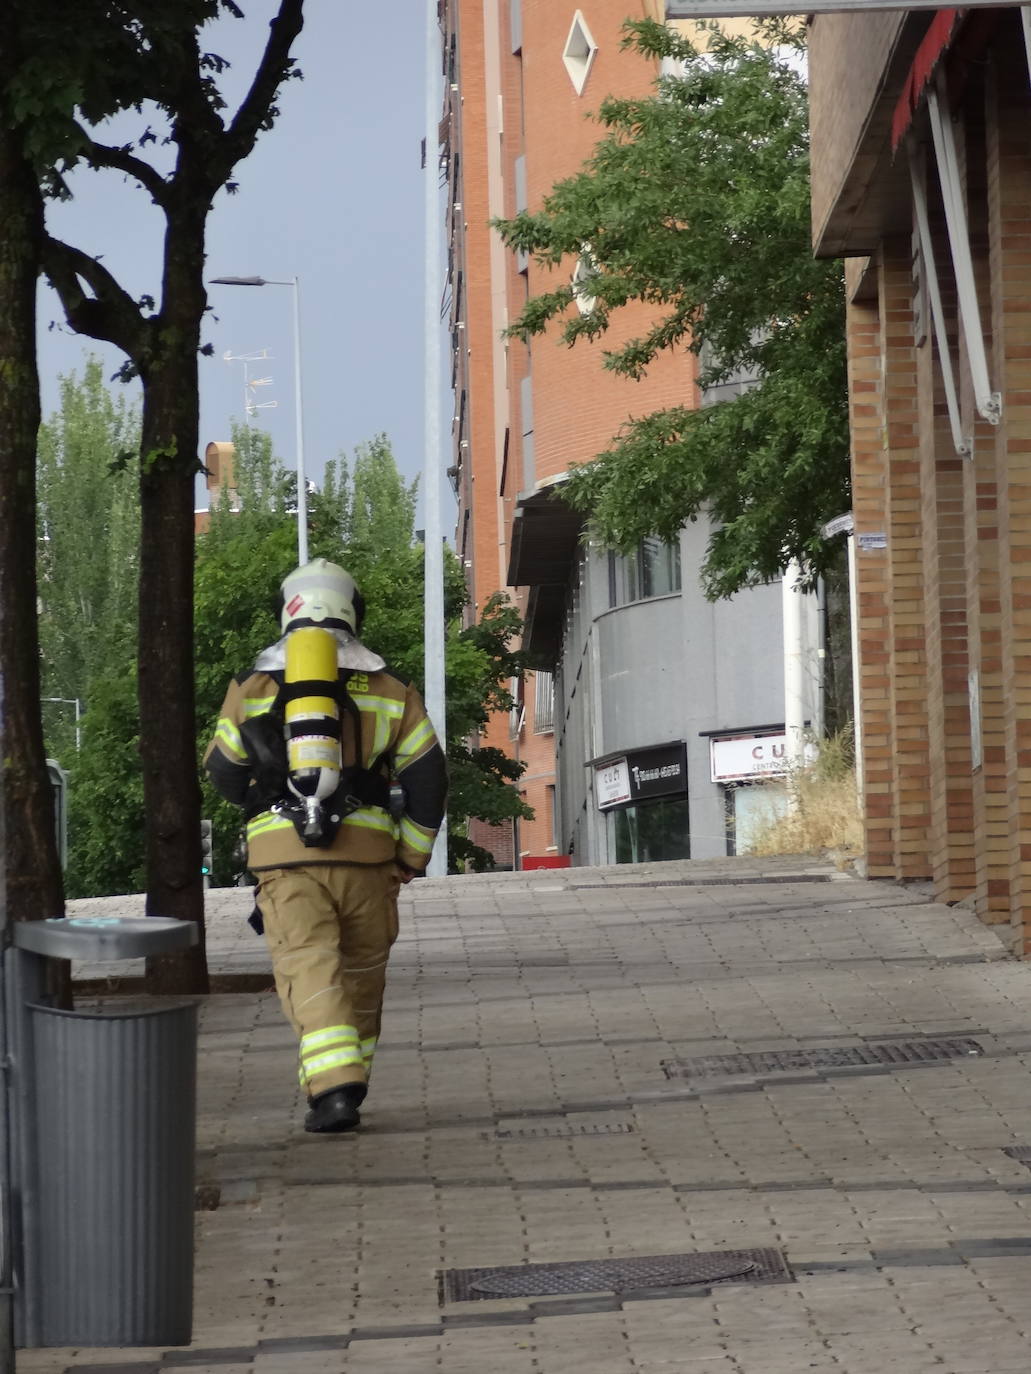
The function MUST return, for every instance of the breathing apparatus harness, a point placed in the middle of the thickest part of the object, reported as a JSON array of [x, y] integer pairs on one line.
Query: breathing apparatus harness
[[295, 754]]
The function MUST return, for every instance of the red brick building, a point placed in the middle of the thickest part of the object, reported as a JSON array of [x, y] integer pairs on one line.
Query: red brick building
[[922, 180], [522, 78]]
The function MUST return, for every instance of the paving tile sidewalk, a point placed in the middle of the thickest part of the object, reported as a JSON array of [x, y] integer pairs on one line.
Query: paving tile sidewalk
[[615, 1063]]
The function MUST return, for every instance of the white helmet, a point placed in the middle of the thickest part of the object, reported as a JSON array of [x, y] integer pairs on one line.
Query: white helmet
[[321, 594]]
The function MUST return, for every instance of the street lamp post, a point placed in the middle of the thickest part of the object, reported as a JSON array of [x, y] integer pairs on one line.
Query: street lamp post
[[302, 481], [433, 628]]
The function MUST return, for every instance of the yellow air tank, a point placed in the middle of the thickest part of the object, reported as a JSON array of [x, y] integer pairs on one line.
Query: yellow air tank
[[312, 721]]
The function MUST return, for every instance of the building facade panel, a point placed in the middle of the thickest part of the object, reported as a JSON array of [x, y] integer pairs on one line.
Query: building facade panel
[[640, 679]]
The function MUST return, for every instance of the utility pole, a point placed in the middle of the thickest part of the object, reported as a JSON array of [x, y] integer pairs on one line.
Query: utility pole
[[433, 571]]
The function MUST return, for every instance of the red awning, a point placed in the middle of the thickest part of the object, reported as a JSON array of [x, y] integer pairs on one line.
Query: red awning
[[930, 52]]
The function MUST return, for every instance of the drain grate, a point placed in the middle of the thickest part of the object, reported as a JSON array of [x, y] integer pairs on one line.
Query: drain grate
[[555, 1130], [1021, 1153], [820, 1057], [753, 880], [614, 1275]]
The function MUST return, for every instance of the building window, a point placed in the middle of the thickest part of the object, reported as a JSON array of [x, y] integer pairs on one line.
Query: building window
[[517, 715], [584, 273], [544, 704], [652, 833], [578, 53], [653, 569]]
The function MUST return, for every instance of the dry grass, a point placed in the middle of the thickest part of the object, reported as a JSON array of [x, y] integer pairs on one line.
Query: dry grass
[[825, 818]]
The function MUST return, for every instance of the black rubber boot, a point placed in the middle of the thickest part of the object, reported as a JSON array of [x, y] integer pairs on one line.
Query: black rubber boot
[[336, 1110]]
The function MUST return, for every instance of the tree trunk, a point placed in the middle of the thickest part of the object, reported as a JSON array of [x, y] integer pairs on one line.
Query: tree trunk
[[32, 882], [168, 741]]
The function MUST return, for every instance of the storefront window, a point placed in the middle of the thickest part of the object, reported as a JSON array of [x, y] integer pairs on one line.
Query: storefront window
[[652, 831], [753, 810]]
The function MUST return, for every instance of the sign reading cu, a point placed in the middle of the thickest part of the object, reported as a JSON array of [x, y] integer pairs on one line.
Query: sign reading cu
[[736, 758]]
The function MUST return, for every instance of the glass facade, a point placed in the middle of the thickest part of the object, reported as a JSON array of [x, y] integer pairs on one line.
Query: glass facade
[[652, 831], [653, 569]]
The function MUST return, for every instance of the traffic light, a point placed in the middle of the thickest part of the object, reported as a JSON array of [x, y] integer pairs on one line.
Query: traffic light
[[206, 856]]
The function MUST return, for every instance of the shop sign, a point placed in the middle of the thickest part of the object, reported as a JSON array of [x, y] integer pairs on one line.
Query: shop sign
[[641, 776], [612, 783], [658, 772], [737, 758], [873, 539]]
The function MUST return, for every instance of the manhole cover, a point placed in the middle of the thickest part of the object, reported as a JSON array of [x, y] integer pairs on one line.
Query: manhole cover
[[613, 1275], [617, 1276], [820, 1057]]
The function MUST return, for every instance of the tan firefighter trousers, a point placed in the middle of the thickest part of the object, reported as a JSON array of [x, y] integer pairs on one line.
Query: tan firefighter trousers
[[329, 929]]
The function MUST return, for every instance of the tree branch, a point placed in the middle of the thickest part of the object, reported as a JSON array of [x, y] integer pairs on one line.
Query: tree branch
[[253, 114], [121, 160], [110, 313]]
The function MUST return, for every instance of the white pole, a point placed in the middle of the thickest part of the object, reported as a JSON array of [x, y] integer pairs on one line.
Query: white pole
[[794, 667], [857, 705], [818, 660], [433, 630], [302, 478]]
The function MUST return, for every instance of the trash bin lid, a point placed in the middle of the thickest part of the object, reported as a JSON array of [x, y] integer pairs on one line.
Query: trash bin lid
[[101, 938]]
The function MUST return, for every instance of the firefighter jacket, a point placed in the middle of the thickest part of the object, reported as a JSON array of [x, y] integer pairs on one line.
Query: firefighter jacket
[[397, 741]]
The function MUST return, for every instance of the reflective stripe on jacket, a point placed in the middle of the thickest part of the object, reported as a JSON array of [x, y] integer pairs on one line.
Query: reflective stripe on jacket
[[394, 729]]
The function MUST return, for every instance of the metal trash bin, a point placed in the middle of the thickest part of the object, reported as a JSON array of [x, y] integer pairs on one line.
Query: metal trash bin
[[104, 1108]]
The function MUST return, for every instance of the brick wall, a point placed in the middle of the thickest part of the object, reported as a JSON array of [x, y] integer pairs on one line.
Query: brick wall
[[942, 473], [984, 609], [497, 839], [578, 406], [869, 506], [1008, 160], [907, 657], [513, 105]]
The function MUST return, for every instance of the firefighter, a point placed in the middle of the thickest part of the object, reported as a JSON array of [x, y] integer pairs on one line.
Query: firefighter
[[343, 784]]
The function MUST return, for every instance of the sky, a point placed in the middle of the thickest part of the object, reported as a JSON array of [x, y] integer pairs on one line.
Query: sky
[[333, 194]]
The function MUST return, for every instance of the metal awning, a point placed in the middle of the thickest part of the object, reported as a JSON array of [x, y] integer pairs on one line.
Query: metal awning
[[542, 625], [544, 552], [930, 52], [545, 539], [928, 87]]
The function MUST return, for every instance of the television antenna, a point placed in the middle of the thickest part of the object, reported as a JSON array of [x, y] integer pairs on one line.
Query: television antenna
[[251, 405]]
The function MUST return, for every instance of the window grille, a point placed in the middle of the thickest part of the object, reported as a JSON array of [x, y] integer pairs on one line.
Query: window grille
[[544, 704], [517, 714]]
